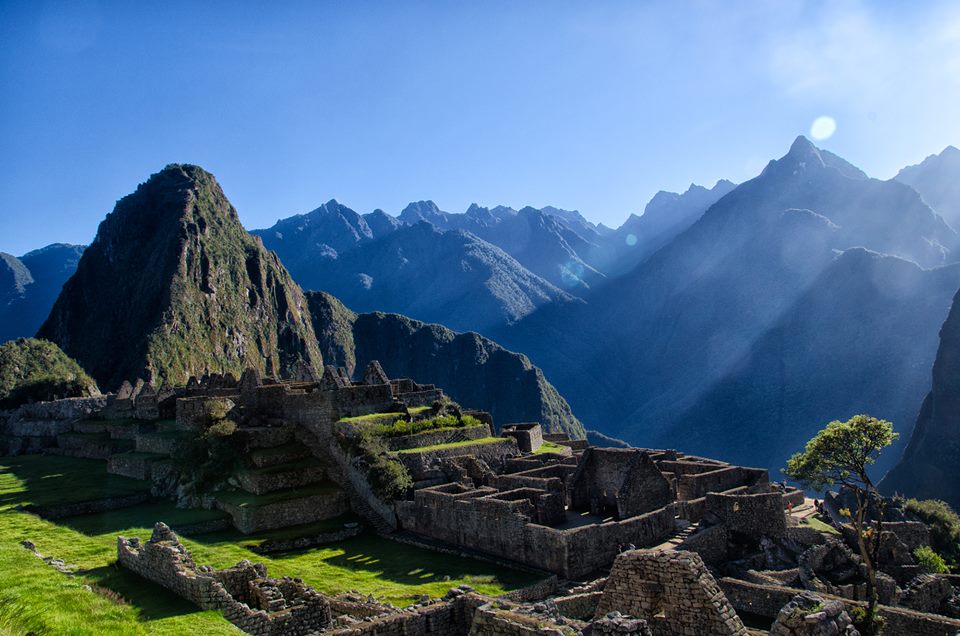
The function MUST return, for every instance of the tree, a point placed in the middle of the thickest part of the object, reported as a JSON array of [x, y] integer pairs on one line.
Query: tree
[[840, 455]]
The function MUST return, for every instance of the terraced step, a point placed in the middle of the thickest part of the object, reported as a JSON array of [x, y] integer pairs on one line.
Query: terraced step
[[167, 426], [162, 442], [277, 455], [90, 445], [283, 508], [295, 474], [133, 464]]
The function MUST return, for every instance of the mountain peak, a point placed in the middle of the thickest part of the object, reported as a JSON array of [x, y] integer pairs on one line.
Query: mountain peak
[[802, 149]]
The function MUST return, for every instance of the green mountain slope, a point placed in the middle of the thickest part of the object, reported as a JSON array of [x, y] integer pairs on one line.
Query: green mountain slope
[[173, 286]]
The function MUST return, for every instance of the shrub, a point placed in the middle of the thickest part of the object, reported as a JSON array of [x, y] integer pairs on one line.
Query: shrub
[[944, 526], [402, 427], [930, 561], [388, 478]]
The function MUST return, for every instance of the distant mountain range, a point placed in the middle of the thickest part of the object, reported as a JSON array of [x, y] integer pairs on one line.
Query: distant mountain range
[[732, 321], [30, 284], [173, 286], [703, 345]]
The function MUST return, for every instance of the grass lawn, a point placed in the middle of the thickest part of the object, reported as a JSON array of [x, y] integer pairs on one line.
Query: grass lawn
[[549, 447], [42, 480], [35, 597], [372, 418], [435, 447], [822, 526]]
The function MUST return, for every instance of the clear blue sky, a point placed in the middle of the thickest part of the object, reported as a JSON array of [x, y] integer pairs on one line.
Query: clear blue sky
[[588, 105]]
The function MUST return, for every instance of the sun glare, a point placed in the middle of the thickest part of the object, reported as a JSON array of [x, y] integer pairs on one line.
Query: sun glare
[[823, 127]]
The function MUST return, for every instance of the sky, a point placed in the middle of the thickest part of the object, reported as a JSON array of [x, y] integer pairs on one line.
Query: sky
[[592, 106]]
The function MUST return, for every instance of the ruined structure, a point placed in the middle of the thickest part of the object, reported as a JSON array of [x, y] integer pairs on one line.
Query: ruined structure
[[630, 541], [245, 595], [572, 515]]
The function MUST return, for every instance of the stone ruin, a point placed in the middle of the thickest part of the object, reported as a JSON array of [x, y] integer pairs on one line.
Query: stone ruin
[[809, 615], [571, 515], [719, 531], [673, 591], [246, 596]]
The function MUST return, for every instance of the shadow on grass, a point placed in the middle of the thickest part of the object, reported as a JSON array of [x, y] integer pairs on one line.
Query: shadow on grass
[[49, 479], [139, 516], [151, 600]]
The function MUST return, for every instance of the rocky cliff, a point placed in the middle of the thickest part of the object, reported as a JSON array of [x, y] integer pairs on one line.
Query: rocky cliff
[[173, 286], [473, 370], [928, 468]]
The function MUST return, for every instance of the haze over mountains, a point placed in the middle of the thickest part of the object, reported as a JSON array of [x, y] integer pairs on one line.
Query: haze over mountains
[[732, 321]]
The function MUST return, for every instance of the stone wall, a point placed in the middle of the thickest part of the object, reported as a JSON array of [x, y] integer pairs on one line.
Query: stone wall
[[767, 600], [529, 435], [673, 591], [693, 486], [247, 597], [441, 436], [755, 515], [280, 514], [494, 522], [493, 453]]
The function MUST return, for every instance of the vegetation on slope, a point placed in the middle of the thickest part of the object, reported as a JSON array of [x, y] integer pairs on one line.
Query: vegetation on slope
[[34, 370], [173, 286], [471, 369]]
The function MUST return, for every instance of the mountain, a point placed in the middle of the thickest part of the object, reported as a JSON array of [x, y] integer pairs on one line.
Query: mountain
[[556, 245], [473, 370], [34, 370], [173, 286], [29, 285], [859, 340], [928, 468], [322, 234], [937, 179], [540, 242], [651, 344], [451, 277], [665, 216]]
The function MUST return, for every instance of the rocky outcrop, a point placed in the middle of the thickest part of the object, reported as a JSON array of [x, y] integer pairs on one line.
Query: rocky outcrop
[[928, 468], [468, 367], [173, 287]]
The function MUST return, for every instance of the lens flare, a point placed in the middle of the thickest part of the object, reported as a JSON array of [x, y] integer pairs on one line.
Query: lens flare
[[631, 240], [823, 127]]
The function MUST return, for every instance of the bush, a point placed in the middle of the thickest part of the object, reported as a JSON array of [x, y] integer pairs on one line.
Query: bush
[[930, 561], [388, 478], [944, 526], [402, 427]]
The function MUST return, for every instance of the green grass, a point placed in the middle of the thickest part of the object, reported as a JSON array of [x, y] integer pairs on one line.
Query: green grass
[[306, 530], [44, 480], [370, 418], [35, 597], [116, 521], [436, 447], [550, 447], [817, 524], [244, 499]]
